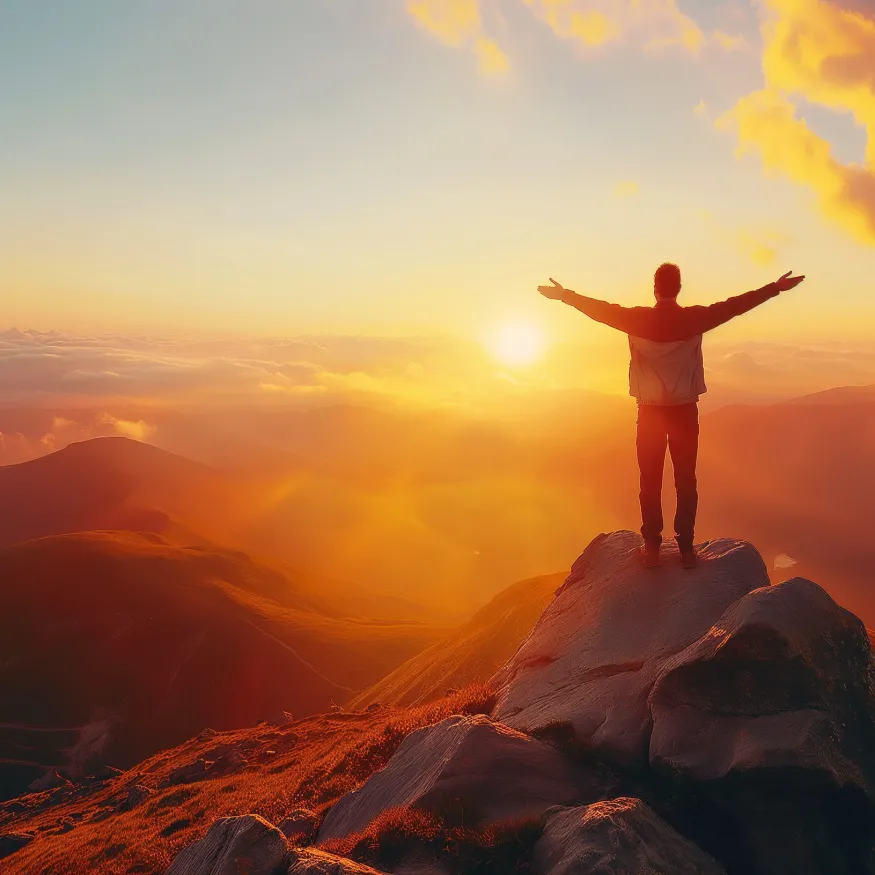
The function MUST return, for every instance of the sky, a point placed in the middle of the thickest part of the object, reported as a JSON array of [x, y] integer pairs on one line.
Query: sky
[[382, 167]]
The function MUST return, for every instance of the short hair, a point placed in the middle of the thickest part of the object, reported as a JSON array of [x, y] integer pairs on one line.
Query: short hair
[[667, 280]]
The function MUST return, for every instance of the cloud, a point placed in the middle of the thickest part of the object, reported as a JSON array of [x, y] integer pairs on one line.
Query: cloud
[[52, 369], [138, 431], [590, 27], [730, 42], [594, 28], [758, 243], [823, 53], [59, 388], [459, 23], [652, 25], [626, 189], [453, 21], [493, 61], [761, 247], [788, 370]]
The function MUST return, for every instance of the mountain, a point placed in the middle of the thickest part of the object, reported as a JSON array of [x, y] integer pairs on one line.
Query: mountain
[[472, 653], [118, 483], [733, 737], [115, 644], [800, 480], [111, 483], [431, 515], [838, 395]]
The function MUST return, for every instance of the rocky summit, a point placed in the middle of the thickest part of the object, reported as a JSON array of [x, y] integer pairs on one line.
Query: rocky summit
[[653, 722], [592, 659]]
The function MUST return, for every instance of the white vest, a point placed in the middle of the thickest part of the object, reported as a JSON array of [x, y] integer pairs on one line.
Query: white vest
[[666, 374]]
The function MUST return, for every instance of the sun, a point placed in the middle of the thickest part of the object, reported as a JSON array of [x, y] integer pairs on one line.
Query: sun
[[517, 344]]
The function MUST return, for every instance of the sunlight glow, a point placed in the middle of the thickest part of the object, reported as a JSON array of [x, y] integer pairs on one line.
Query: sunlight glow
[[517, 344]]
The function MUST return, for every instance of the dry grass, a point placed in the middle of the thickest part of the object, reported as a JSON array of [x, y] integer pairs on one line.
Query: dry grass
[[310, 764], [407, 834]]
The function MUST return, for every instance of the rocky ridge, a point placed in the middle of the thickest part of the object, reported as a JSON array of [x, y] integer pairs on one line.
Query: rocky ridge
[[662, 721]]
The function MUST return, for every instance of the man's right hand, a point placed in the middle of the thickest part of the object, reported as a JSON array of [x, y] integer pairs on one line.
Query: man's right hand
[[788, 281], [554, 292]]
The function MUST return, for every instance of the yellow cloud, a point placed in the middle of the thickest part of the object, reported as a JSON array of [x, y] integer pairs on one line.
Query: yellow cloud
[[651, 23], [626, 189], [493, 60], [761, 247], [452, 21], [459, 23], [594, 28], [730, 42], [686, 33], [139, 430], [825, 54], [760, 244], [701, 109]]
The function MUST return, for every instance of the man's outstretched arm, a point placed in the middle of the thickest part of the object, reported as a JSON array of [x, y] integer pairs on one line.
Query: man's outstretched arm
[[721, 312], [622, 318]]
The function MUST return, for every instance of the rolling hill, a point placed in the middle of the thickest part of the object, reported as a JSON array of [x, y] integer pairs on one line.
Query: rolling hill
[[472, 653], [115, 644], [117, 483]]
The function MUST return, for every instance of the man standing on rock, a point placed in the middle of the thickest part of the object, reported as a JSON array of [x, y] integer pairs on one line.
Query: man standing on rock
[[667, 376]]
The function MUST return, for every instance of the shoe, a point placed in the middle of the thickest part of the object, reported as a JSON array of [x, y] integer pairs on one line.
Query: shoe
[[689, 558], [649, 556]]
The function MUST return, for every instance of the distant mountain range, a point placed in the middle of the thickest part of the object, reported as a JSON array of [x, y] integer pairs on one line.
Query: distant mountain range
[[115, 644], [133, 583]]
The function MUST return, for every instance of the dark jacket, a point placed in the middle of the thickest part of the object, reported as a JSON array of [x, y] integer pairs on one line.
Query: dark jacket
[[668, 320]]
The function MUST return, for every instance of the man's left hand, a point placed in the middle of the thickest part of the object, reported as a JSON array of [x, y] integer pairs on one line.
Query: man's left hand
[[788, 281]]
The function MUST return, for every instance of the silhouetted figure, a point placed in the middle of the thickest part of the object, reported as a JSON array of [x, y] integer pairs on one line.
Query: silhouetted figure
[[667, 376]]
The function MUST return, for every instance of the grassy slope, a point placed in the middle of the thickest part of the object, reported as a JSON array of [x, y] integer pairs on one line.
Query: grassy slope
[[160, 640], [472, 653], [310, 763]]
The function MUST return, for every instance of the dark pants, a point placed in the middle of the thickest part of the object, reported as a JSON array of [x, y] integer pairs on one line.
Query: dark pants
[[677, 427]]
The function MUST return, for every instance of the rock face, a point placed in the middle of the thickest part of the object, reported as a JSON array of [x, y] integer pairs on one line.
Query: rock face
[[593, 657], [134, 796], [189, 773], [773, 713], [234, 845], [620, 837], [13, 841], [311, 861], [784, 679], [49, 781], [466, 769], [300, 825]]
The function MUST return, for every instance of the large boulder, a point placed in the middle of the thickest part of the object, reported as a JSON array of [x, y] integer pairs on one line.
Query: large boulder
[[246, 845], [11, 842], [300, 825], [593, 657], [51, 780], [466, 770], [771, 715], [312, 861], [620, 837]]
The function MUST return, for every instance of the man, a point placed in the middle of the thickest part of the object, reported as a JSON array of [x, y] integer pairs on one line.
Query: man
[[667, 376]]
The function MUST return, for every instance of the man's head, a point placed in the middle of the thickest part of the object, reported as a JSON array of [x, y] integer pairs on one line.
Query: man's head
[[667, 282]]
